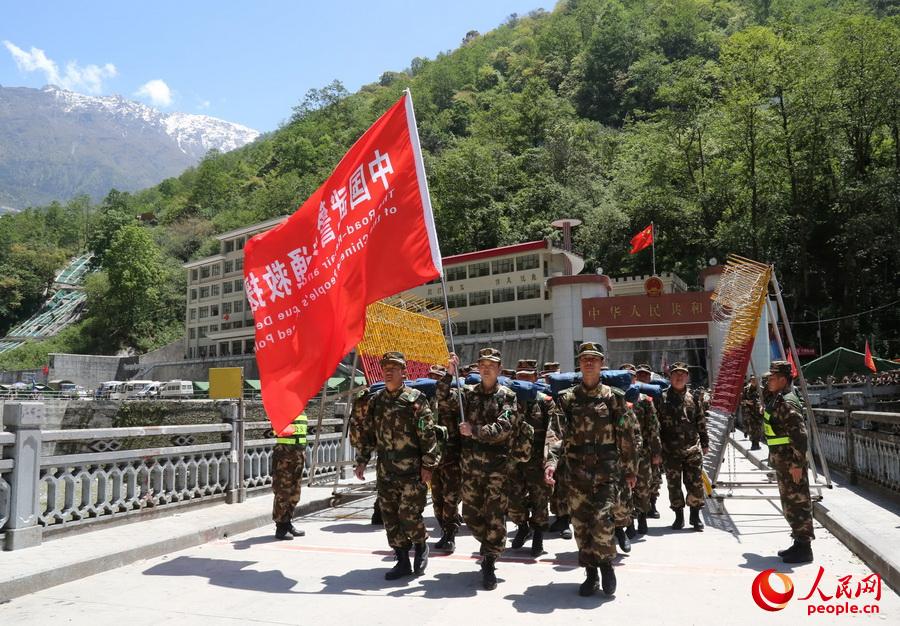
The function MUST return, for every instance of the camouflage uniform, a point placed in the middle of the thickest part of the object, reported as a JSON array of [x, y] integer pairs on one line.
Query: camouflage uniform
[[287, 476], [650, 447], [530, 495], [751, 413], [446, 480], [399, 426], [682, 432], [591, 434], [485, 459], [623, 511]]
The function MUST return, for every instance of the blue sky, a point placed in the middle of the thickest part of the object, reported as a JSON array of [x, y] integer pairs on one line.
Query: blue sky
[[247, 62]]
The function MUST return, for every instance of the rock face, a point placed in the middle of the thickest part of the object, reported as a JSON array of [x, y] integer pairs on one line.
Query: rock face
[[57, 144]]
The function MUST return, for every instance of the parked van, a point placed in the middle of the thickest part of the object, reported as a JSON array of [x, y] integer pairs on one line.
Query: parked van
[[177, 389], [105, 390], [134, 387], [150, 391]]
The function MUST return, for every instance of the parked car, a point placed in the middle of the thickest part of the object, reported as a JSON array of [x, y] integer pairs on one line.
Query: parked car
[[177, 389], [150, 391]]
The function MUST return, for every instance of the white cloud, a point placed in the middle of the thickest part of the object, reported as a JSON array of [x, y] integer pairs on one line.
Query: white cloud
[[204, 104], [87, 78], [156, 91]]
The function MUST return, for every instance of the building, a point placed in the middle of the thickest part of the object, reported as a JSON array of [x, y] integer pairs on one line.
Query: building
[[218, 320]]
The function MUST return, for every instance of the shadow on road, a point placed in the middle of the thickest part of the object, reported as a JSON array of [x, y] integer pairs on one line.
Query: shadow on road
[[445, 585], [362, 526], [760, 563], [545, 599], [246, 544], [225, 573]]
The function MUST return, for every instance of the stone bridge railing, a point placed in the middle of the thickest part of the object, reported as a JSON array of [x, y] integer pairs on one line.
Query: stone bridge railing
[[864, 444], [55, 480]]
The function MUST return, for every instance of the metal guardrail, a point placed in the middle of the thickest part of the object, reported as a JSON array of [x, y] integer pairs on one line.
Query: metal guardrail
[[54, 492]]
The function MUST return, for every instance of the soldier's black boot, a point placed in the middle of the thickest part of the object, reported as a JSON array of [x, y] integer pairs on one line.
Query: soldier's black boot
[[296, 531], [376, 515], [558, 524], [642, 524], [800, 552], [695, 520], [622, 538], [782, 552], [402, 568], [653, 513], [608, 577], [566, 532], [283, 531], [420, 558], [537, 543], [447, 541], [678, 524], [522, 535], [755, 445], [591, 584], [488, 575], [630, 531]]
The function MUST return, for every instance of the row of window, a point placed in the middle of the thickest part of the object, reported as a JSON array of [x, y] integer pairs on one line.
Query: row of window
[[498, 325], [498, 266], [235, 306], [476, 298], [225, 348], [236, 286], [201, 331], [213, 270], [234, 244]]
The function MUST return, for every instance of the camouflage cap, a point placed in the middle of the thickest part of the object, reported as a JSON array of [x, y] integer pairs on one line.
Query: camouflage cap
[[551, 366], [508, 373], [489, 354], [437, 372], [393, 357], [526, 366], [782, 368], [679, 366], [628, 366], [643, 367], [589, 348]]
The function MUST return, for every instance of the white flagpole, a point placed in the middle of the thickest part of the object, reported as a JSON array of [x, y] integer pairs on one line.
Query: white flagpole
[[653, 245]]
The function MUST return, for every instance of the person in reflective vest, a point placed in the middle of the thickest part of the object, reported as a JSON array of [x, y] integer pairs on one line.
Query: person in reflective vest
[[785, 429], [288, 458]]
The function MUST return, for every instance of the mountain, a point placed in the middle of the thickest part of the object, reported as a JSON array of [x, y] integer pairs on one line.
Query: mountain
[[56, 144]]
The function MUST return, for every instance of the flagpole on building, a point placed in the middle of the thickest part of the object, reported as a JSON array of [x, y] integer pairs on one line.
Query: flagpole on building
[[653, 245]]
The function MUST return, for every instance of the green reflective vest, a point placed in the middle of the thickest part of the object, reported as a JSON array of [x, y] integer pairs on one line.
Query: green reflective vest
[[773, 438], [299, 436]]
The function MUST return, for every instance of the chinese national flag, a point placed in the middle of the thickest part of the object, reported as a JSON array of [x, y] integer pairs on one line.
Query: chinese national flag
[[790, 359], [642, 240], [870, 362], [367, 233]]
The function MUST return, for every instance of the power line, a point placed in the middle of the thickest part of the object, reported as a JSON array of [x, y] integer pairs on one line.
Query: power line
[[844, 317]]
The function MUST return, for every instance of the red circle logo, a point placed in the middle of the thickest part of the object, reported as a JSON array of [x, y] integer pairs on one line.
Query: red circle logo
[[768, 598]]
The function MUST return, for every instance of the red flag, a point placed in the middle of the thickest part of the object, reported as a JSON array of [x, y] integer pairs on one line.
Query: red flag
[[642, 239], [870, 362], [790, 359], [365, 234]]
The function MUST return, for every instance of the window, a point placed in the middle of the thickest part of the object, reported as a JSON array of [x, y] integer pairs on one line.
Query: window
[[215, 290], [226, 325], [504, 294], [212, 350], [456, 273], [527, 292], [527, 322], [248, 346], [477, 270], [236, 347], [229, 267], [526, 262], [193, 314], [204, 312], [227, 287], [194, 275], [215, 272], [456, 300], [190, 353], [229, 247], [238, 306], [461, 328], [193, 333], [204, 272], [503, 324], [226, 307], [238, 285], [238, 264], [240, 243], [479, 297], [193, 294], [204, 292], [214, 310], [501, 266], [201, 332], [480, 327], [225, 349], [202, 352], [546, 269], [213, 328]]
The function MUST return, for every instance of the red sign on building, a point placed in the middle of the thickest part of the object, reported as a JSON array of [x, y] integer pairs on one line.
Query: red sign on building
[[670, 314]]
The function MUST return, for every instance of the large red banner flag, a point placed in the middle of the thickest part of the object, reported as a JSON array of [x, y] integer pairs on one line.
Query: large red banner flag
[[642, 240], [366, 234]]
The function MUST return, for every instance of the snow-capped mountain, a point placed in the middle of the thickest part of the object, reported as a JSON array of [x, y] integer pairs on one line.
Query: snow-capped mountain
[[56, 144]]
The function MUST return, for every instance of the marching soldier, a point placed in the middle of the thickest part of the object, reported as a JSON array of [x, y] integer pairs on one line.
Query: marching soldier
[[399, 426], [751, 413], [650, 454], [486, 437], [591, 434], [288, 457], [558, 504], [785, 429], [682, 431], [623, 511], [530, 494], [360, 403], [446, 479], [645, 375]]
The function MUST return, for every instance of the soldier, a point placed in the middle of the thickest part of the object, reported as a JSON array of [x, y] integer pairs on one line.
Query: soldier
[[591, 434], [550, 367], [360, 402], [399, 426], [486, 437], [785, 429], [682, 431], [623, 511], [650, 454], [645, 375], [751, 414], [288, 457], [530, 494], [446, 479]]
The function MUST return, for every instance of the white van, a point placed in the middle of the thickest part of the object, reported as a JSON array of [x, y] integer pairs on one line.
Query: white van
[[177, 389], [133, 388], [105, 390]]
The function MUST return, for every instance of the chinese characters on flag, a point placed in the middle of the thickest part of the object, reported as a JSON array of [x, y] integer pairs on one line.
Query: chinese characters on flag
[[365, 234], [642, 240]]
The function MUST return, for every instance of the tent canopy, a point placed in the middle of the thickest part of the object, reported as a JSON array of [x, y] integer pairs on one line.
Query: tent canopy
[[842, 362]]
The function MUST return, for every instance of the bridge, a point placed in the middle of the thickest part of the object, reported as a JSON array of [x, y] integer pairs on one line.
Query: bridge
[[172, 523]]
